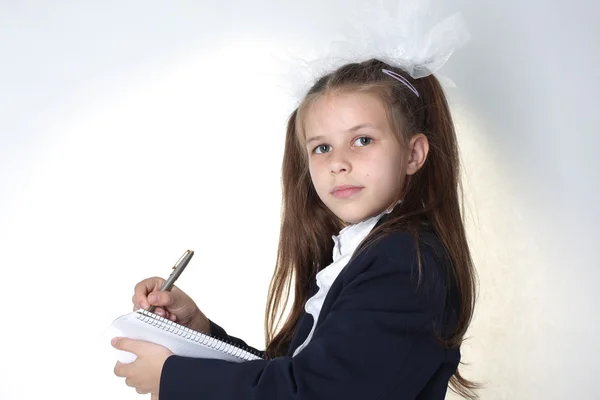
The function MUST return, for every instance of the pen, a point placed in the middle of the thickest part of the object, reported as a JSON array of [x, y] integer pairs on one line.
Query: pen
[[177, 270]]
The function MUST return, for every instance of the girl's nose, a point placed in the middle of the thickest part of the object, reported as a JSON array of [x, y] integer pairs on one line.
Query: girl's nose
[[339, 163]]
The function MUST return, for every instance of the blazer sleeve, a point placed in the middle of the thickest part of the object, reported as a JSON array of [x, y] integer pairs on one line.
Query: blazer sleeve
[[377, 338]]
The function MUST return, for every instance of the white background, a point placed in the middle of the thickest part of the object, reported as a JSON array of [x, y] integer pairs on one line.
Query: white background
[[132, 131]]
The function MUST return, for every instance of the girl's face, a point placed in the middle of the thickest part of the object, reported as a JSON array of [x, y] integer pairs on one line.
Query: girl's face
[[356, 163]]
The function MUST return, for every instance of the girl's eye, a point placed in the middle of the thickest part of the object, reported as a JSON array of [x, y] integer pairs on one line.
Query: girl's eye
[[322, 148], [363, 141]]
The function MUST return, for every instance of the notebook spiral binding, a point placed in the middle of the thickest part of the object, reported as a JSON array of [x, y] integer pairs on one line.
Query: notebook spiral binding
[[213, 342]]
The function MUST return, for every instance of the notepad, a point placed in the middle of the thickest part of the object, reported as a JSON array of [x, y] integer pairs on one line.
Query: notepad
[[181, 340]]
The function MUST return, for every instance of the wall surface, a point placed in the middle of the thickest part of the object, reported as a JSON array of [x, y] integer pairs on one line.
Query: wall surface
[[132, 131]]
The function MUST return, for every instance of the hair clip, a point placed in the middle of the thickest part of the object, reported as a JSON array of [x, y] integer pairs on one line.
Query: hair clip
[[401, 79]]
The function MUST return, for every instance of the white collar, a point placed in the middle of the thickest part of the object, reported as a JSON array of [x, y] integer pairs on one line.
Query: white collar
[[350, 236]]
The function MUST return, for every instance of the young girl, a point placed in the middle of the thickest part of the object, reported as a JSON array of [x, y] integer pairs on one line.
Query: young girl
[[378, 313]]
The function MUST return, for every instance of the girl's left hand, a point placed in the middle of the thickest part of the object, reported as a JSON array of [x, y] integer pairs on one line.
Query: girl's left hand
[[144, 373]]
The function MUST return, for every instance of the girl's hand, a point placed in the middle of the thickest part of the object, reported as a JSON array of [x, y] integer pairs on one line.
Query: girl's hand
[[144, 373], [174, 305]]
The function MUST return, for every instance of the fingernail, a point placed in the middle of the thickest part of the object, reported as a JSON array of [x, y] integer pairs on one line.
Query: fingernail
[[153, 298], [114, 341]]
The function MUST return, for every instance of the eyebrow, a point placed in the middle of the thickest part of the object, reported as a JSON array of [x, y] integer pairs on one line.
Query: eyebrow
[[353, 129]]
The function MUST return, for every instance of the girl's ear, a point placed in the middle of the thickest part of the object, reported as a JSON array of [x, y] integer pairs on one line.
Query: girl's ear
[[418, 147]]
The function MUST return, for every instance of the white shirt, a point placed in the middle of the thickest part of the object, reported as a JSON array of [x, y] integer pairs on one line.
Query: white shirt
[[344, 245]]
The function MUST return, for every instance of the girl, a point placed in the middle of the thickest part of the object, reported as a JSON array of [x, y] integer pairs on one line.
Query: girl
[[380, 312]]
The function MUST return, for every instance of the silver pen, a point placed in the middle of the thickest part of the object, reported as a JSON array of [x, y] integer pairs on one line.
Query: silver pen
[[177, 270]]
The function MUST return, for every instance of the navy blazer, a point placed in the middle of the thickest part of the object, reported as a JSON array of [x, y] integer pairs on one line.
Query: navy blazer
[[375, 337]]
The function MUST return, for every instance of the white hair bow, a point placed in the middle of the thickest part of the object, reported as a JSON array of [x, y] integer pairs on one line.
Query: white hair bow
[[393, 32]]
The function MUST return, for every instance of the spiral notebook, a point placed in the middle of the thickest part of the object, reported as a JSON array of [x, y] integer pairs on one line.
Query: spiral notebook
[[181, 340]]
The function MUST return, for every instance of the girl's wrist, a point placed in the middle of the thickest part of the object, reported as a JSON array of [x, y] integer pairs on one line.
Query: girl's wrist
[[200, 323]]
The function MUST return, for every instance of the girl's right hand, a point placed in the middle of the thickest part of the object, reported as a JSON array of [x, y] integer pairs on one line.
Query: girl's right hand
[[174, 305]]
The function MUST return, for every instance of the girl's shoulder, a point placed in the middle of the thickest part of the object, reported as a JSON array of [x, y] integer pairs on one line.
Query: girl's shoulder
[[422, 254], [408, 268], [406, 247], [401, 270]]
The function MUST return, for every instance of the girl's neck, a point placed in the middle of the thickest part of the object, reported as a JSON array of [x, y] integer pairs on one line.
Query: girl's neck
[[379, 214]]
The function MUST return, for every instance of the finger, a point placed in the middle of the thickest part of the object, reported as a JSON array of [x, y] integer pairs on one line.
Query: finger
[[144, 287], [139, 301], [130, 345], [142, 391], [129, 382], [161, 298], [135, 308], [121, 370], [154, 396], [162, 312], [173, 317]]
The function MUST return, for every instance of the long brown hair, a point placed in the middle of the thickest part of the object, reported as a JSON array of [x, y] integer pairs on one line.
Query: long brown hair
[[432, 194]]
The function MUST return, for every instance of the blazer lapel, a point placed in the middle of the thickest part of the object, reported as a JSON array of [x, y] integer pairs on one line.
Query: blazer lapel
[[305, 322]]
